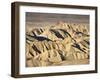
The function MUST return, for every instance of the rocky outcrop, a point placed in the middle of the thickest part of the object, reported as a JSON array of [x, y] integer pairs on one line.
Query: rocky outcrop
[[56, 44]]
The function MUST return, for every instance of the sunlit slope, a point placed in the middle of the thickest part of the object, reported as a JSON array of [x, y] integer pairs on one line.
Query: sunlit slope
[[60, 44]]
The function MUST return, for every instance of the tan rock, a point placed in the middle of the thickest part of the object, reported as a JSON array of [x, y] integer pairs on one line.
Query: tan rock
[[86, 56], [27, 53], [59, 49], [54, 56], [82, 56], [29, 63], [78, 55], [75, 56]]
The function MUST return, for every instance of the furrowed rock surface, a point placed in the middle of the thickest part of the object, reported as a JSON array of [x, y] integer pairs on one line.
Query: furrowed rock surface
[[57, 45]]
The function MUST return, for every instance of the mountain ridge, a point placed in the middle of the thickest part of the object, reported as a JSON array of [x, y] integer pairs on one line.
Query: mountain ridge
[[61, 42]]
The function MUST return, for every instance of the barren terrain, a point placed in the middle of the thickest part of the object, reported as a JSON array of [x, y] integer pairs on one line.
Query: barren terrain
[[58, 44]]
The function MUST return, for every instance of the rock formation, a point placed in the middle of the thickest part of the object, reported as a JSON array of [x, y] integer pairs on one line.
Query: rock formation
[[60, 44]]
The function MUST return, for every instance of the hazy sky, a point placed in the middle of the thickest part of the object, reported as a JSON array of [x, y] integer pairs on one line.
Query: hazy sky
[[38, 19]]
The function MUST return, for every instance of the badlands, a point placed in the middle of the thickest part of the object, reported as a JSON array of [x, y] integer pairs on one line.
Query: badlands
[[57, 45]]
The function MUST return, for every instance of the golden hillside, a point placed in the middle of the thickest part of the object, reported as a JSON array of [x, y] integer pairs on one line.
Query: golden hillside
[[60, 44]]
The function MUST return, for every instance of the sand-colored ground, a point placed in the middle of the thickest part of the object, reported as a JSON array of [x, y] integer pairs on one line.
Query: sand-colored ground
[[59, 44]]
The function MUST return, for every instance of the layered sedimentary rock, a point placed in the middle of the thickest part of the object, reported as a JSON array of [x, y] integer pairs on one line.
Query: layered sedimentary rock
[[61, 44]]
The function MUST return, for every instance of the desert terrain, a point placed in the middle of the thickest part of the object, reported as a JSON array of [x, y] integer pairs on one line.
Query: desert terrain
[[62, 43]]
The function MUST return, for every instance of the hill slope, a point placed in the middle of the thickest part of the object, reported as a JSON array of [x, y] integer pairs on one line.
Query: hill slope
[[61, 44]]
